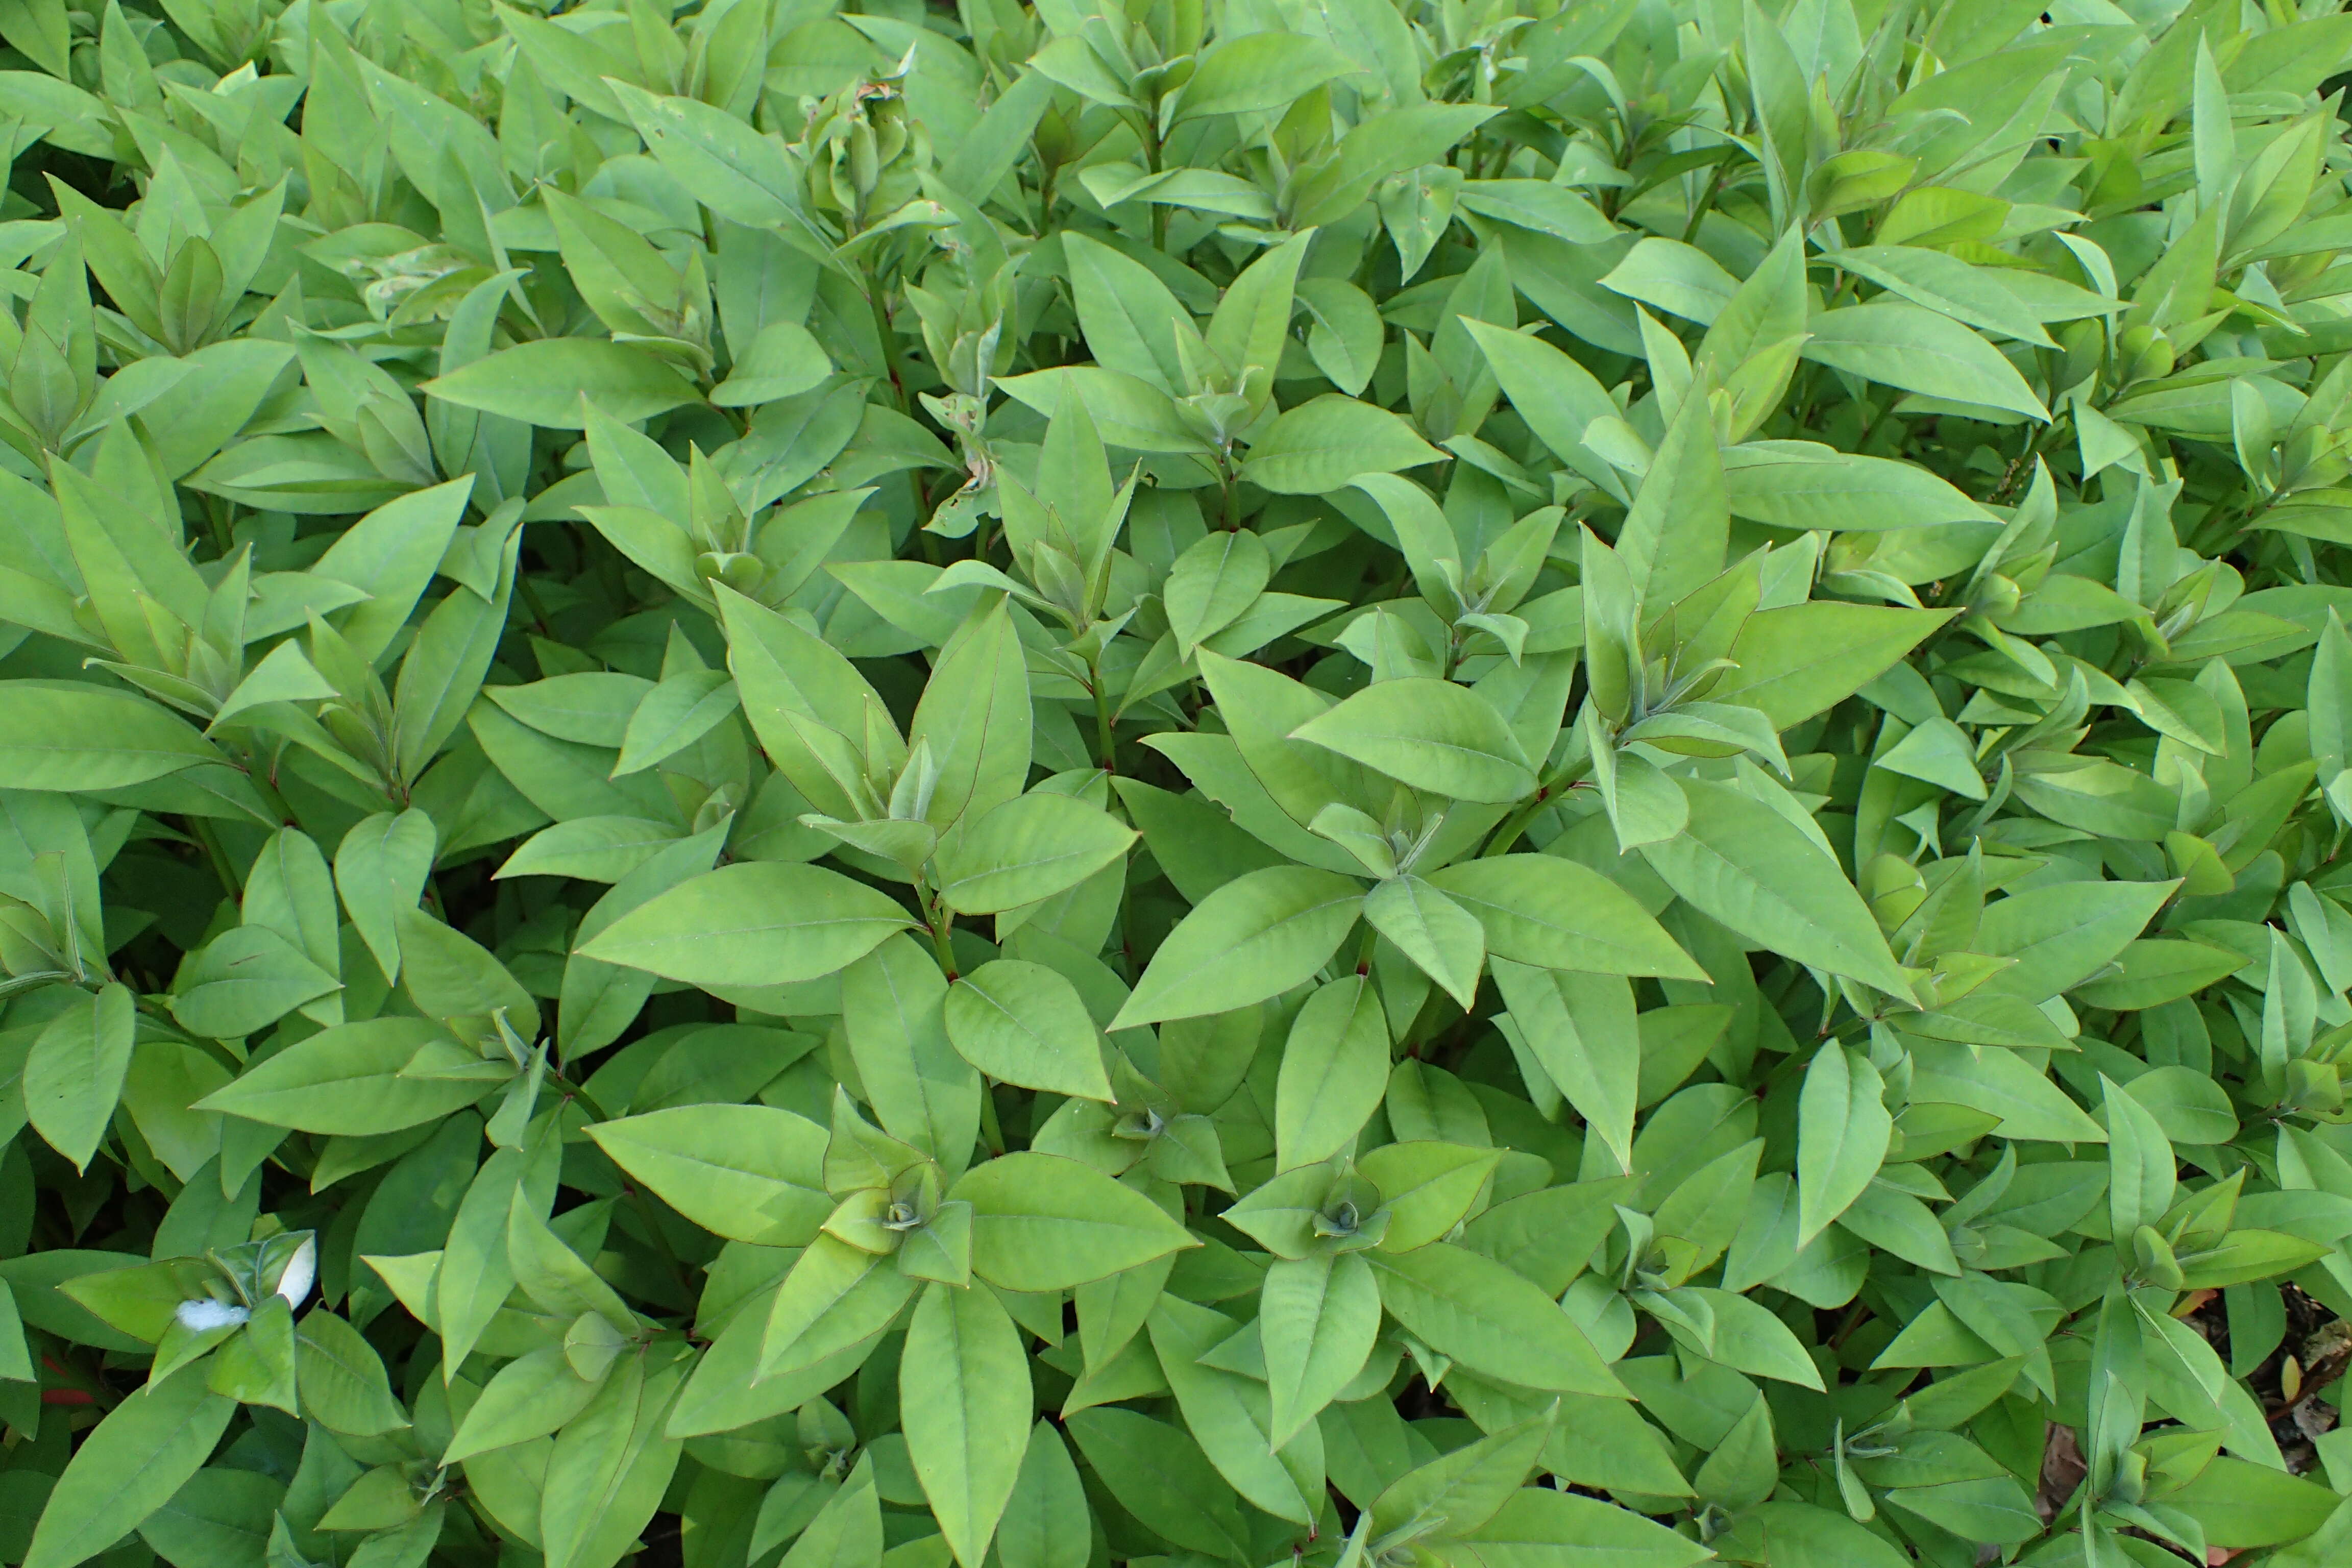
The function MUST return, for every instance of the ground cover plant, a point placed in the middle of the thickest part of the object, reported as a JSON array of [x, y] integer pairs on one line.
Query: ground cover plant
[[1361, 784]]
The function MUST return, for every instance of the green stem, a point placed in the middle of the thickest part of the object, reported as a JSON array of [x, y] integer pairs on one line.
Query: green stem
[[531, 601], [1106, 735], [201, 830], [1547, 793], [1706, 200], [940, 919], [216, 522], [629, 1190], [990, 1133], [1151, 161], [1046, 183], [265, 785], [889, 340]]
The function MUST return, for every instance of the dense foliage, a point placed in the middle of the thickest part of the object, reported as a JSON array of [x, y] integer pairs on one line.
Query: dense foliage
[[1368, 783]]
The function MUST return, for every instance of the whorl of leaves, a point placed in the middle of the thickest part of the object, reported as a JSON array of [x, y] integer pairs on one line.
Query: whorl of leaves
[[1358, 783]]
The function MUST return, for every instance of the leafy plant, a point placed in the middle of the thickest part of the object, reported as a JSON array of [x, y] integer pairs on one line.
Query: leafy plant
[[1389, 785]]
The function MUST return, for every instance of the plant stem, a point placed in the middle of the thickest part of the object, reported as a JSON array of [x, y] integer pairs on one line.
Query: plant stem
[[1106, 734], [1547, 793], [886, 337], [941, 921], [202, 831]]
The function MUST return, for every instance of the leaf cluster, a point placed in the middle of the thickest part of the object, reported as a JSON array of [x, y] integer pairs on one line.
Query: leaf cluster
[[1381, 783]]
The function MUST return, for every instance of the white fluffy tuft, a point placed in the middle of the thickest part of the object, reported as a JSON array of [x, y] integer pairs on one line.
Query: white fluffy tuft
[[204, 1315]]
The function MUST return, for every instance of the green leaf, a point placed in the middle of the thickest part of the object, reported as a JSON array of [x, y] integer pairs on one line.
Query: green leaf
[[1489, 1320], [2063, 935], [751, 1173], [1026, 850], [1431, 735], [1227, 1414], [221, 1516], [1130, 413], [1744, 864], [2141, 1162], [1918, 350], [1439, 935], [1160, 1474], [754, 924], [974, 717], [721, 161], [1798, 484], [1460, 1491], [835, 1297], [1802, 660], [1842, 1133], [1674, 536], [1317, 1317], [1553, 913], [343, 1380], [893, 1015], [1538, 1524], [531, 1396], [963, 1396], [1334, 1072], [352, 1080], [1042, 1223], [1255, 937], [62, 735], [1132, 323], [611, 1464], [1023, 1024], [73, 1074], [1214, 582], [129, 1466], [1045, 1519], [1327, 441], [1558, 397], [1258, 72], [2240, 1505], [381, 868], [1582, 1031], [551, 380], [1945, 283]]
